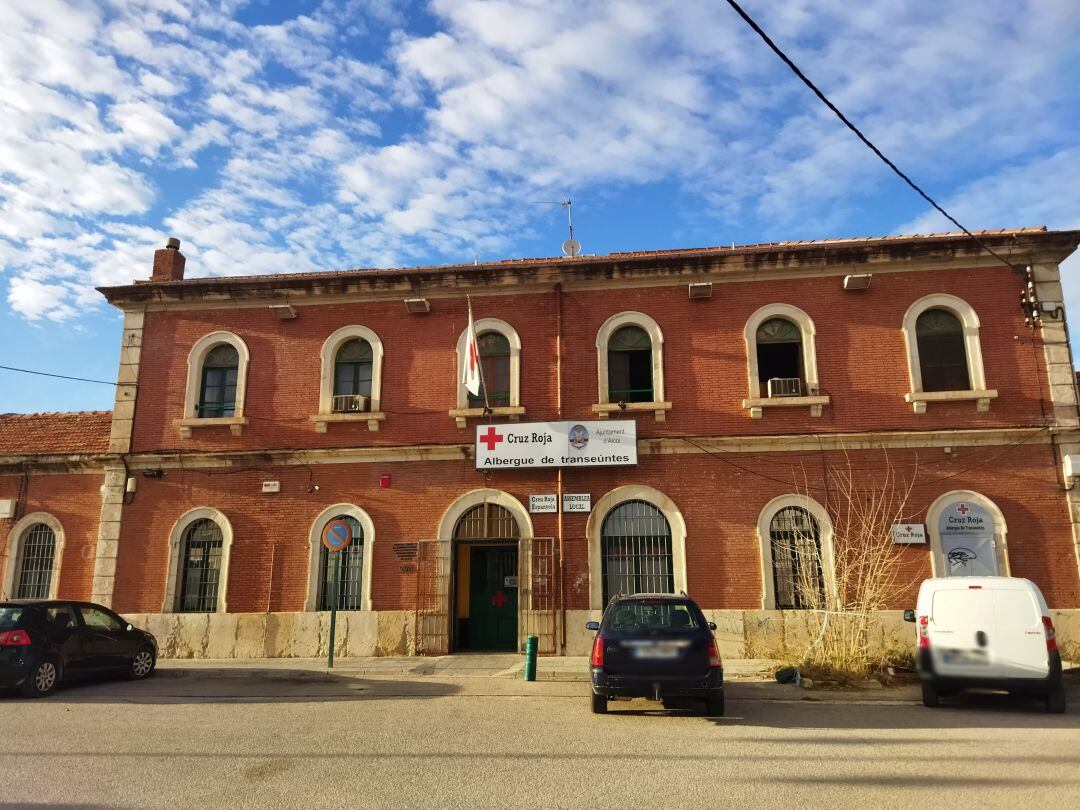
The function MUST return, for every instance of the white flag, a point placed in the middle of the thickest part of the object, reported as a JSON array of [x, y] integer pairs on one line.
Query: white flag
[[470, 373]]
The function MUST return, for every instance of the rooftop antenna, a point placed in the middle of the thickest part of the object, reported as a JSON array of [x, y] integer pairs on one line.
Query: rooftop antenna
[[571, 247]]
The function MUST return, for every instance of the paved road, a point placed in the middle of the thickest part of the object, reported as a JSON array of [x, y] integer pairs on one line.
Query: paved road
[[186, 742]]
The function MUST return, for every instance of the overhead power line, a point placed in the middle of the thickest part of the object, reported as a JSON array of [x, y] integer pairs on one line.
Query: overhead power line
[[60, 376], [824, 100]]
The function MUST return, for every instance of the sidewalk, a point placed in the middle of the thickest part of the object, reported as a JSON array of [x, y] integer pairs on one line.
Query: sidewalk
[[511, 666]]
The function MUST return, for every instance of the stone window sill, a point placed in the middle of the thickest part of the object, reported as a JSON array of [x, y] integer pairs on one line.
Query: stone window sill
[[463, 415], [918, 399], [323, 420], [235, 424], [757, 405], [659, 409]]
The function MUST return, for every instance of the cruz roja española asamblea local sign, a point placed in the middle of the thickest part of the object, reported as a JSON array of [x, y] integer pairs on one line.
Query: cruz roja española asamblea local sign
[[556, 444]]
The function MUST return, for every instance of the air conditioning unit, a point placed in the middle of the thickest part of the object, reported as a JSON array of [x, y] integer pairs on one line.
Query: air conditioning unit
[[785, 387], [350, 403]]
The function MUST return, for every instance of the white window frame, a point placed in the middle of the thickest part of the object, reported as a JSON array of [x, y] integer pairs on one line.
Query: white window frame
[[969, 320], [755, 403], [463, 411], [15, 540], [933, 518], [825, 537], [330, 348], [311, 602], [595, 527], [604, 406], [176, 540], [196, 358]]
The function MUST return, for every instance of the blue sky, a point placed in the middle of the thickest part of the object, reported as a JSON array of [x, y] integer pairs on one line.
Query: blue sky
[[276, 136]]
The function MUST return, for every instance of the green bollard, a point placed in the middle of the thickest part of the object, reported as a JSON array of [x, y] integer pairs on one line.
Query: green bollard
[[531, 643]]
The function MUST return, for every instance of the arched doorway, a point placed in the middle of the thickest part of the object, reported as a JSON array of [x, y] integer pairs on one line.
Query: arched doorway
[[486, 579]]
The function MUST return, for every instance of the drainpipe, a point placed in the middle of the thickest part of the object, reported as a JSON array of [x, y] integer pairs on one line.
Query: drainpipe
[[559, 472]]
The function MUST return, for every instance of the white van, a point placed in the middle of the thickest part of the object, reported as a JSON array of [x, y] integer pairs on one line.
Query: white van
[[986, 633]]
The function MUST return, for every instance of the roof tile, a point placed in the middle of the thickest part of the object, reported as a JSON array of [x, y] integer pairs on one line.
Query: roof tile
[[60, 433]]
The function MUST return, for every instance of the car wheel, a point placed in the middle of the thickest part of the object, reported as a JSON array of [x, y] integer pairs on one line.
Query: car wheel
[[930, 695], [43, 680], [599, 704], [142, 665], [714, 705], [1055, 699]]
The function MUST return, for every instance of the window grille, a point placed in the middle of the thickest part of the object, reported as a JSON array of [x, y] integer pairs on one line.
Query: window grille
[[217, 396], [200, 567], [487, 521], [796, 558], [351, 573], [352, 376], [635, 550], [36, 563], [942, 353], [630, 371], [494, 351]]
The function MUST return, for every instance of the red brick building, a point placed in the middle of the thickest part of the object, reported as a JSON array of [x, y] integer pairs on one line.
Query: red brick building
[[252, 411]]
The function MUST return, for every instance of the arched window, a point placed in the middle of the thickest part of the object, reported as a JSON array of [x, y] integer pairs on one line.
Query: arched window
[[34, 568], [495, 366], [942, 355], [217, 391], [795, 542], [352, 377], [779, 358], [350, 574], [487, 521], [200, 567], [630, 376], [635, 551]]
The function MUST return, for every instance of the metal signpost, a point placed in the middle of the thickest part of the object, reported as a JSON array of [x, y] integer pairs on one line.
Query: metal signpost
[[336, 537]]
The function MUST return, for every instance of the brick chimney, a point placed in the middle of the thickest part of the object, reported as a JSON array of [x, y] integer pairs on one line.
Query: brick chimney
[[169, 263]]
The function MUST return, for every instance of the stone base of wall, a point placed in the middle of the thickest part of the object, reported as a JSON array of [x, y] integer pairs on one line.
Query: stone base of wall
[[784, 635]]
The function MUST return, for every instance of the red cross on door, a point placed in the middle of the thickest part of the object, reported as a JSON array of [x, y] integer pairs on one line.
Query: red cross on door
[[491, 438], [499, 599]]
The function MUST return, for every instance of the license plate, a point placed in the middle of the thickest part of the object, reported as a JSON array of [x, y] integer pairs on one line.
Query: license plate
[[963, 657], [657, 650]]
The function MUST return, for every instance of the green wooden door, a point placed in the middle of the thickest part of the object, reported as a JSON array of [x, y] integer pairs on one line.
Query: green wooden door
[[493, 600]]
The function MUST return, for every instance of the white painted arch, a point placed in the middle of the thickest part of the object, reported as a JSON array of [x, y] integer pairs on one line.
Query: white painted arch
[[315, 545], [197, 356], [328, 357], [938, 568], [809, 344], [176, 539], [825, 536], [594, 529], [656, 338], [972, 344], [13, 548]]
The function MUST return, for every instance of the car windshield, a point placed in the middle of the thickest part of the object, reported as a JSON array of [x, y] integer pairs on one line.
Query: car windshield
[[9, 615], [659, 615]]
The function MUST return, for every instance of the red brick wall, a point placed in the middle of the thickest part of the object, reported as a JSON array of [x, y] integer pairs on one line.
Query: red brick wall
[[720, 504], [860, 349], [75, 501]]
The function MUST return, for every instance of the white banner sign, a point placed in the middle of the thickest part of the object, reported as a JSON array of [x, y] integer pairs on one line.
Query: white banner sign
[[543, 503], [576, 503], [908, 533], [556, 444]]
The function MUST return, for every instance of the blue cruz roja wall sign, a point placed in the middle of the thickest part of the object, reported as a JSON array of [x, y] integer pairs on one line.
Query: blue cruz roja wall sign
[[556, 444], [967, 534], [337, 535]]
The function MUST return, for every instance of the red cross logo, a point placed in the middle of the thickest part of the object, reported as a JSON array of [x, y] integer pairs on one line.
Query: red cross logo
[[962, 509], [499, 599], [491, 438]]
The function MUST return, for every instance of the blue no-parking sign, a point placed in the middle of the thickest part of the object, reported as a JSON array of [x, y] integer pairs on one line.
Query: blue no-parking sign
[[337, 535]]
